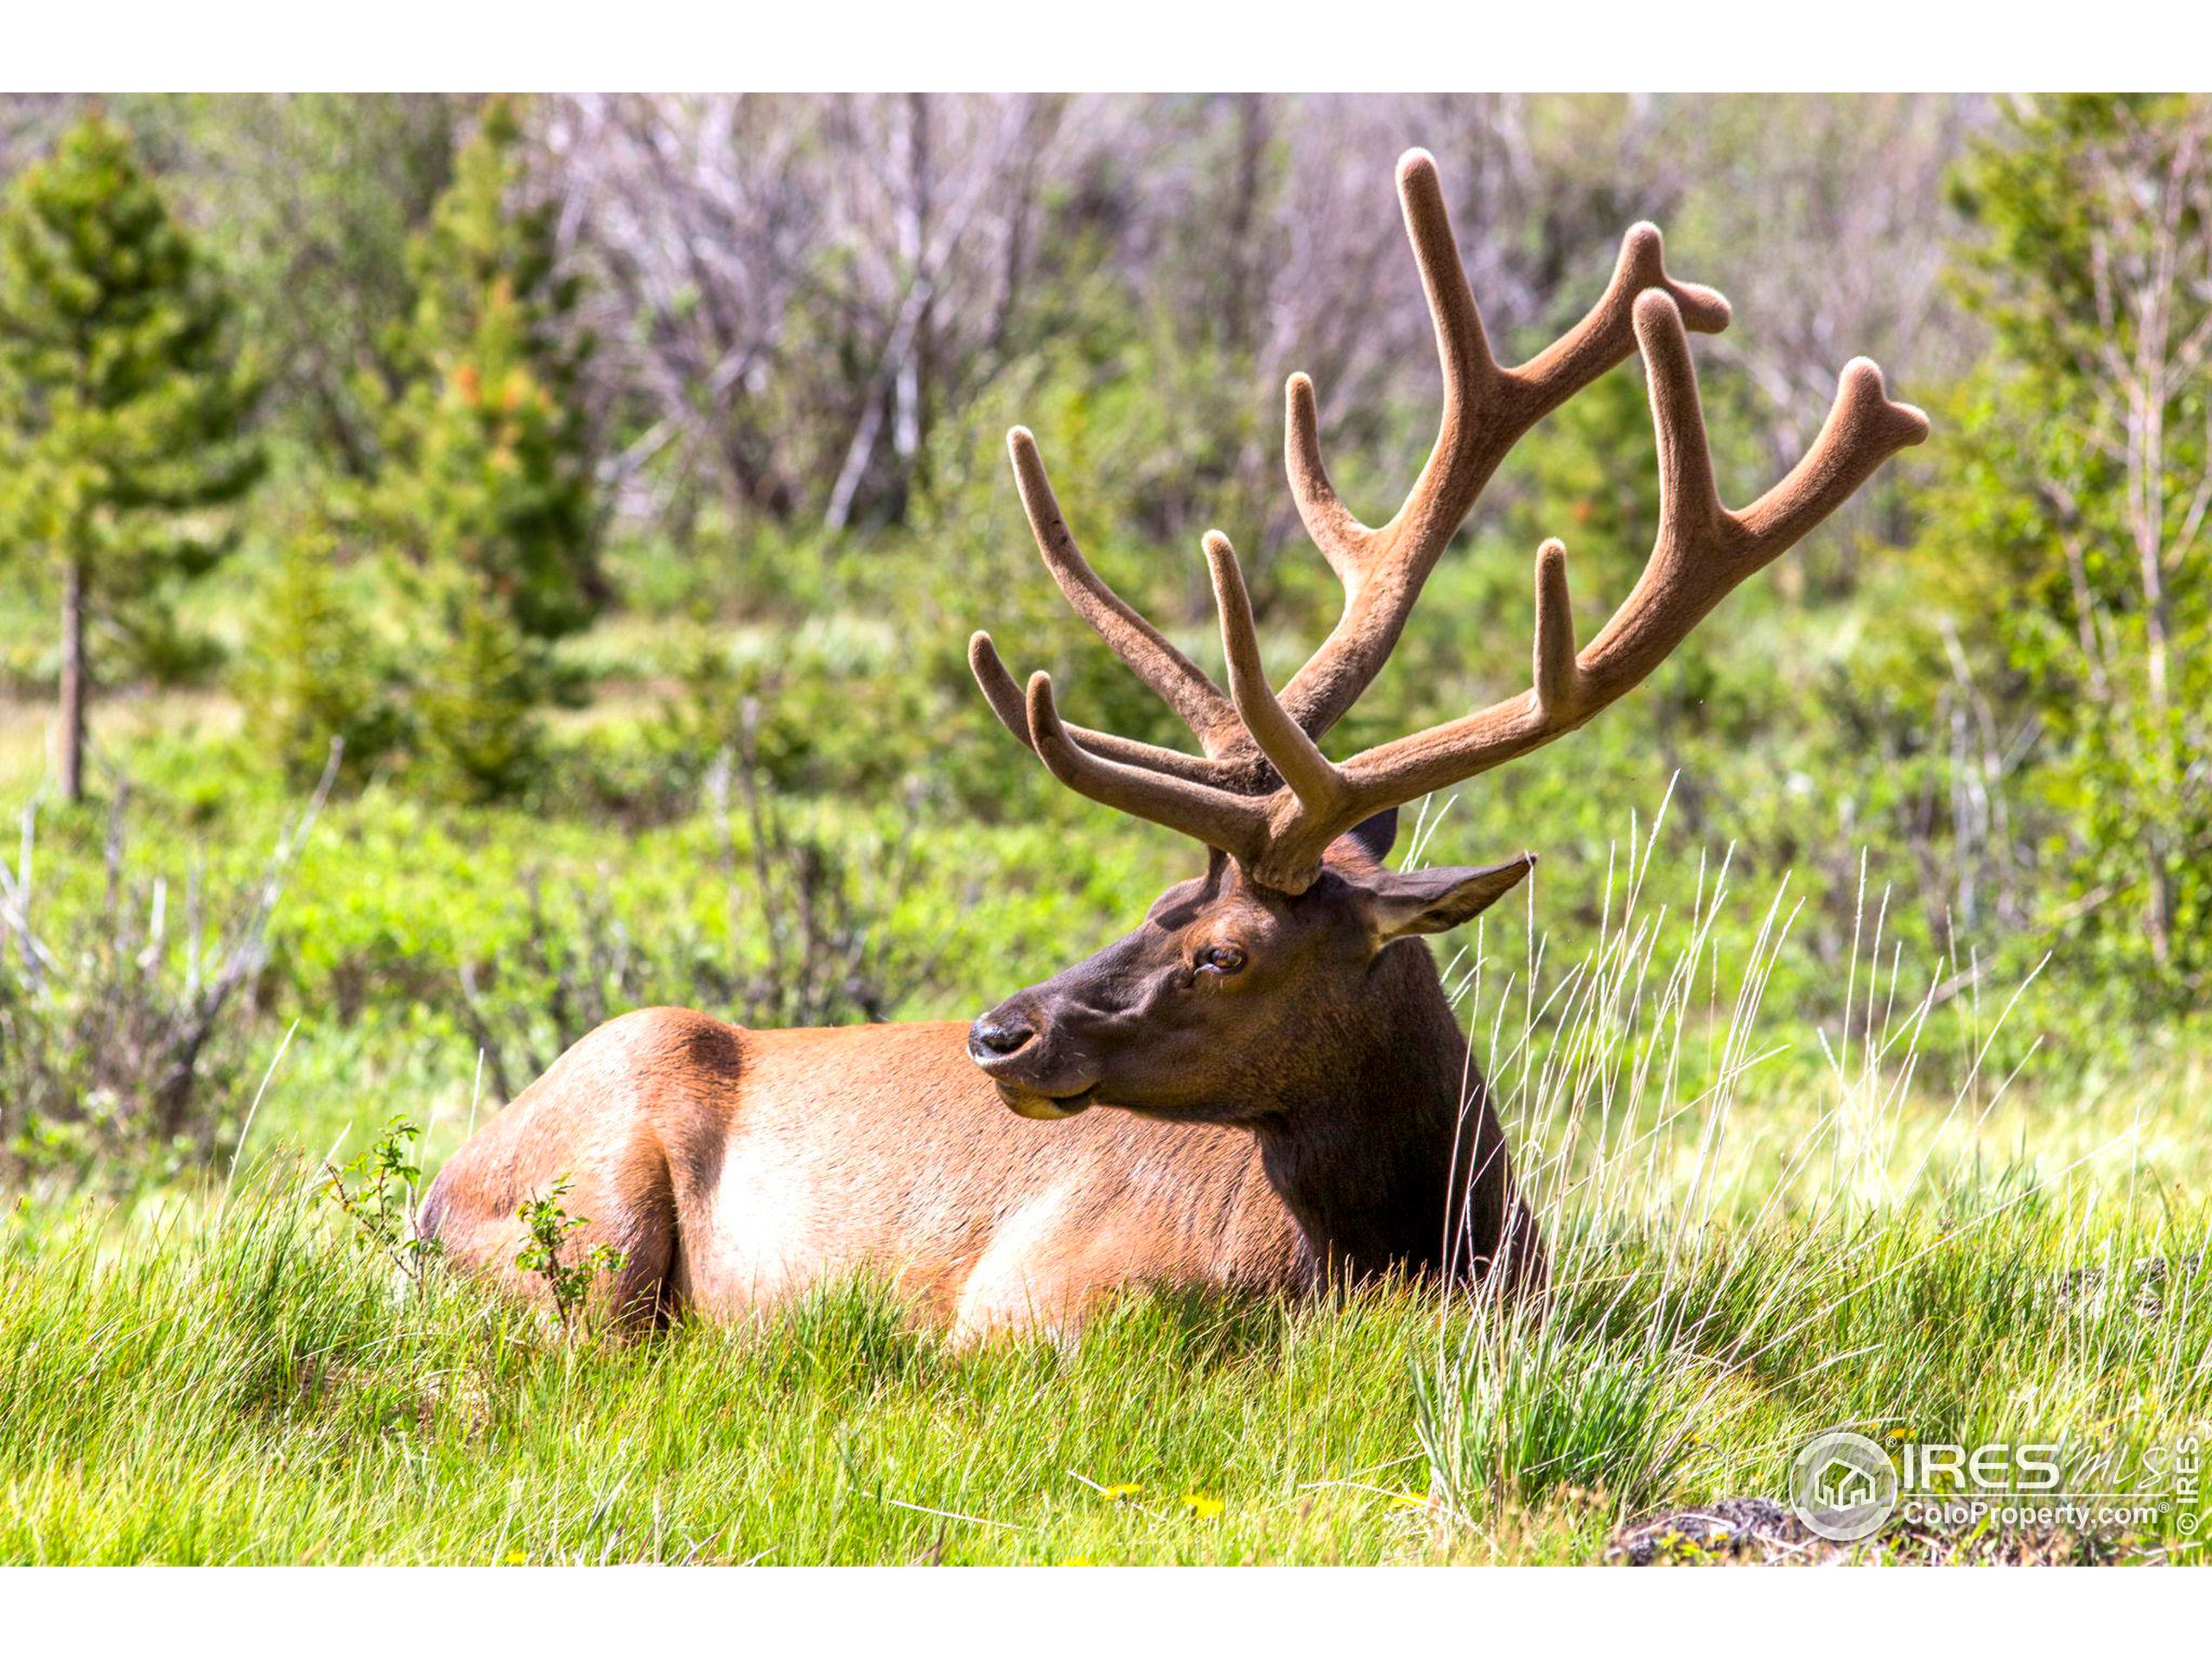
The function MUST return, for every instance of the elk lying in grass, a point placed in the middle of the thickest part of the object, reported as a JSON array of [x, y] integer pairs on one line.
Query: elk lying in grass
[[1291, 1097]]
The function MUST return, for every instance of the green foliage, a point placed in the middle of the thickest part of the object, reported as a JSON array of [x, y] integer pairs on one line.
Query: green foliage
[[316, 196], [1511, 1419], [2068, 507], [122, 1024], [491, 446], [487, 494], [380, 1199], [476, 699], [315, 669], [568, 1283], [123, 401]]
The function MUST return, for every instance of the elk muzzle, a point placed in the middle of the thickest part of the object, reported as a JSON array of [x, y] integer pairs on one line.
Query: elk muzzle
[[1019, 1047]]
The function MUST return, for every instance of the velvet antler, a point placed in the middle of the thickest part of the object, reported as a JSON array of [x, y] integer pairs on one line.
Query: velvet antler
[[1264, 792]]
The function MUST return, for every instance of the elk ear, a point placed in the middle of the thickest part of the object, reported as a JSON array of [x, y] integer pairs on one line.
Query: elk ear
[[1429, 901], [1375, 835]]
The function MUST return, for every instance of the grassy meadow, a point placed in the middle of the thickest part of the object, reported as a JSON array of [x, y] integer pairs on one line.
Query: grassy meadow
[[524, 551], [1907, 1216]]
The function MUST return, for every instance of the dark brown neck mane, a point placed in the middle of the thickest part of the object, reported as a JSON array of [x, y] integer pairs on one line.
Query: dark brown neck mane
[[1379, 1163]]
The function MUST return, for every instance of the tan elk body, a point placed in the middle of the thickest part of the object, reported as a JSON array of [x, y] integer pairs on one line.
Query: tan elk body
[[1292, 1096]]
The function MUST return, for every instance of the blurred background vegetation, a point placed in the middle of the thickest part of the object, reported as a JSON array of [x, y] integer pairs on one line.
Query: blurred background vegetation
[[578, 507]]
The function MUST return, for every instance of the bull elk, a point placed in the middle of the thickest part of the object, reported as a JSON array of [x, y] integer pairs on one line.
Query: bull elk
[[1282, 1093]]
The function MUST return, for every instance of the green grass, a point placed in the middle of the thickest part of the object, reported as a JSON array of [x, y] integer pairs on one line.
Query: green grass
[[1796, 1173], [243, 1383], [253, 1393], [1747, 1251]]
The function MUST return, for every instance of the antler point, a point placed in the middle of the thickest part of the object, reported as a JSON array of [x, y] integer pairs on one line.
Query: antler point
[[1654, 307], [1862, 381], [1273, 839]]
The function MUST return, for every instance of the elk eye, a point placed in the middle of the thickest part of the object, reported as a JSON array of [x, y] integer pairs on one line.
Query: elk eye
[[1220, 959]]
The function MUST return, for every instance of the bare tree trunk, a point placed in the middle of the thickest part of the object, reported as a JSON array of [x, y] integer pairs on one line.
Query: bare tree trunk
[[913, 230], [892, 395], [1244, 280], [71, 735]]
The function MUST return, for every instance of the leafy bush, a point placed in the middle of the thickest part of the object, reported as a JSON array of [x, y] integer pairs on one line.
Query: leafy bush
[[2069, 510]]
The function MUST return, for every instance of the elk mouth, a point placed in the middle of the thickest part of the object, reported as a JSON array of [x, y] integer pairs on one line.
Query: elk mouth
[[1037, 1070], [1033, 1103]]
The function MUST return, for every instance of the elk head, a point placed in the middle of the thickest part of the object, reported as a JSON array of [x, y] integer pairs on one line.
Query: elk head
[[1283, 956], [1228, 979]]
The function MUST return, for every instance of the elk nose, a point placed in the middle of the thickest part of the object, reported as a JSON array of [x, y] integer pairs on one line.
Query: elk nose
[[996, 1035]]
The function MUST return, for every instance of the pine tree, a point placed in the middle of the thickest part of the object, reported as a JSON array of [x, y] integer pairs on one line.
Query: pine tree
[[123, 403], [487, 492], [314, 669]]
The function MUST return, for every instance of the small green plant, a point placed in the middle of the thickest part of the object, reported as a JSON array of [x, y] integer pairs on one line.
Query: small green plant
[[568, 1282], [380, 1202], [1519, 1413]]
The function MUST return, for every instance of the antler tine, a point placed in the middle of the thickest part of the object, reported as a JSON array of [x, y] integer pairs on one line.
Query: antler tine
[[1252, 735], [1237, 824], [1179, 682], [1486, 410], [1295, 757], [1554, 657], [1607, 334], [1463, 354], [1864, 428], [1005, 695], [1703, 552]]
